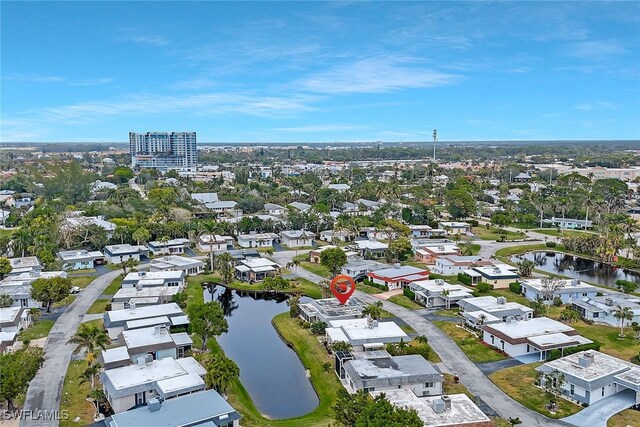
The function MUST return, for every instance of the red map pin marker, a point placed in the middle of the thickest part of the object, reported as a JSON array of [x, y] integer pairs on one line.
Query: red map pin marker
[[342, 287]]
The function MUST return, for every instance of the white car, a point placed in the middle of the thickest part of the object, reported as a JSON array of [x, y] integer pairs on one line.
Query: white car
[[75, 290]]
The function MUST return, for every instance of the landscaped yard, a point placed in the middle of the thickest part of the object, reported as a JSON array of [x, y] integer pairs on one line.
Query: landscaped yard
[[554, 232], [39, 329], [82, 281], [625, 348], [74, 396], [475, 349], [367, 289], [98, 306], [518, 383], [114, 286], [318, 269], [299, 285], [450, 387], [628, 417], [405, 302], [312, 355], [492, 233]]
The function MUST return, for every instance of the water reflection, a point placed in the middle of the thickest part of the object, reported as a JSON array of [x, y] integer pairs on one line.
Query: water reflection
[[270, 371], [578, 268]]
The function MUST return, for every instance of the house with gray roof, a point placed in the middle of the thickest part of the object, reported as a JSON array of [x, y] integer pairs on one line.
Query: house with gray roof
[[302, 207], [328, 309], [296, 238], [115, 254], [135, 385], [205, 408], [189, 266], [600, 309], [116, 321], [379, 371], [170, 247]]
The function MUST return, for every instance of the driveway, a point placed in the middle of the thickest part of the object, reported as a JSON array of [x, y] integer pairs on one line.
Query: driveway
[[489, 368], [46, 388], [596, 415]]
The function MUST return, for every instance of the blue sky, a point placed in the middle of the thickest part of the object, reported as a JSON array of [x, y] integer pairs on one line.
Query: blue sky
[[318, 71]]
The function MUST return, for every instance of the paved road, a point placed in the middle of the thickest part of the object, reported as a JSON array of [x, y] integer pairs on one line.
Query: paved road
[[46, 388], [452, 357]]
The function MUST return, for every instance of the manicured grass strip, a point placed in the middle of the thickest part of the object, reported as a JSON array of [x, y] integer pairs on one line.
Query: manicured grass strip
[[628, 417], [450, 387], [405, 302], [82, 282], [518, 383], [299, 285], [312, 355], [494, 234], [554, 232], [114, 286], [626, 348], [74, 396], [368, 289], [318, 269], [98, 306], [39, 329], [475, 349]]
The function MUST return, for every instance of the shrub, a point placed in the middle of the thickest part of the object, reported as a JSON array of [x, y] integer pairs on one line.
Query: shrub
[[556, 354], [409, 293], [434, 276], [550, 244], [473, 222], [464, 278], [318, 328], [557, 301], [483, 287], [515, 287]]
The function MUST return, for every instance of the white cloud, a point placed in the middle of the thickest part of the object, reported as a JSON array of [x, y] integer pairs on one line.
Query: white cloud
[[596, 50], [596, 105], [34, 78], [376, 75]]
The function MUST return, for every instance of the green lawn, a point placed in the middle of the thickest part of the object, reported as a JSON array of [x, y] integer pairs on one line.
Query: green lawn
[[408, 329], [414, 263], [450, 387], [114, 286], [554, 232], [312, 355], [448, 313], [39, 329], [7, 233], [475, 349], [83, 271], [74, 394], [98, 306], [625, 348], [318, 269], [367, 289], [518, 383], [494, 233], [68, 300], [405, 302], [82, 282]]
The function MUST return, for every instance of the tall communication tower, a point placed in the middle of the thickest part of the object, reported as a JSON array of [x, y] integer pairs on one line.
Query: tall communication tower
[[435, 139]]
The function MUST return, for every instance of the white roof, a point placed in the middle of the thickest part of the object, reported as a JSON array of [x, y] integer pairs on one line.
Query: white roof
[[569, 285], [603, 365], [144, 312], [153, 275], [134, 338], [358, 329], [150, 321], [116, 354], [370, 244], [441, 248], [531, 328], [158, 370]]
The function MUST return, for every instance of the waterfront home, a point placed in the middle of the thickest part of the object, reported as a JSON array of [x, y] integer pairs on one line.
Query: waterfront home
[[453, 410], [116, 321], [169, 247], [80, 259], [148, 279], [205, 408], [155, 341], [429, 254], [531, 337], [134, 385], [328, 309], [568, 290], [256, 240], [27, 264], [140, 296], [479, 311], [189, 266], [398, 276], [365, 334], [215, 242], [438, 293], [296, 238], [590, 376], [115, 254], [255, 269]]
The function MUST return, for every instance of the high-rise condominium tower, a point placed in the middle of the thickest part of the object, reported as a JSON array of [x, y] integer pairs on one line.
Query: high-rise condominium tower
[[163, 150]]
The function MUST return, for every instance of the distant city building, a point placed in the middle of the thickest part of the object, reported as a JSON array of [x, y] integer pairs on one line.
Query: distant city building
[[163, 150]]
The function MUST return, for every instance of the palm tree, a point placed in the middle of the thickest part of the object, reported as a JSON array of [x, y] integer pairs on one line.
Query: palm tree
[[374, 311], [224, 265], [211, 227], [341, 346], [22, 239], [401, 347], [629, 226], [221, 373], [91, 338], [163, 241], [97, 396], [90, 374], [623, 313]]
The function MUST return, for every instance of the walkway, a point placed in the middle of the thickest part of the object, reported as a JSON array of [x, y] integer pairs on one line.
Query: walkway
[[46, 388]]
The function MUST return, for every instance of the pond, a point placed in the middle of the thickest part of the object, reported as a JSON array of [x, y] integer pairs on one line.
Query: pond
[[270, 371], [578, 268]]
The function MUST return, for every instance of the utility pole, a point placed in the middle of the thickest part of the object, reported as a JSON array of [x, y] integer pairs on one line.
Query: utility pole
[[435, 139]]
